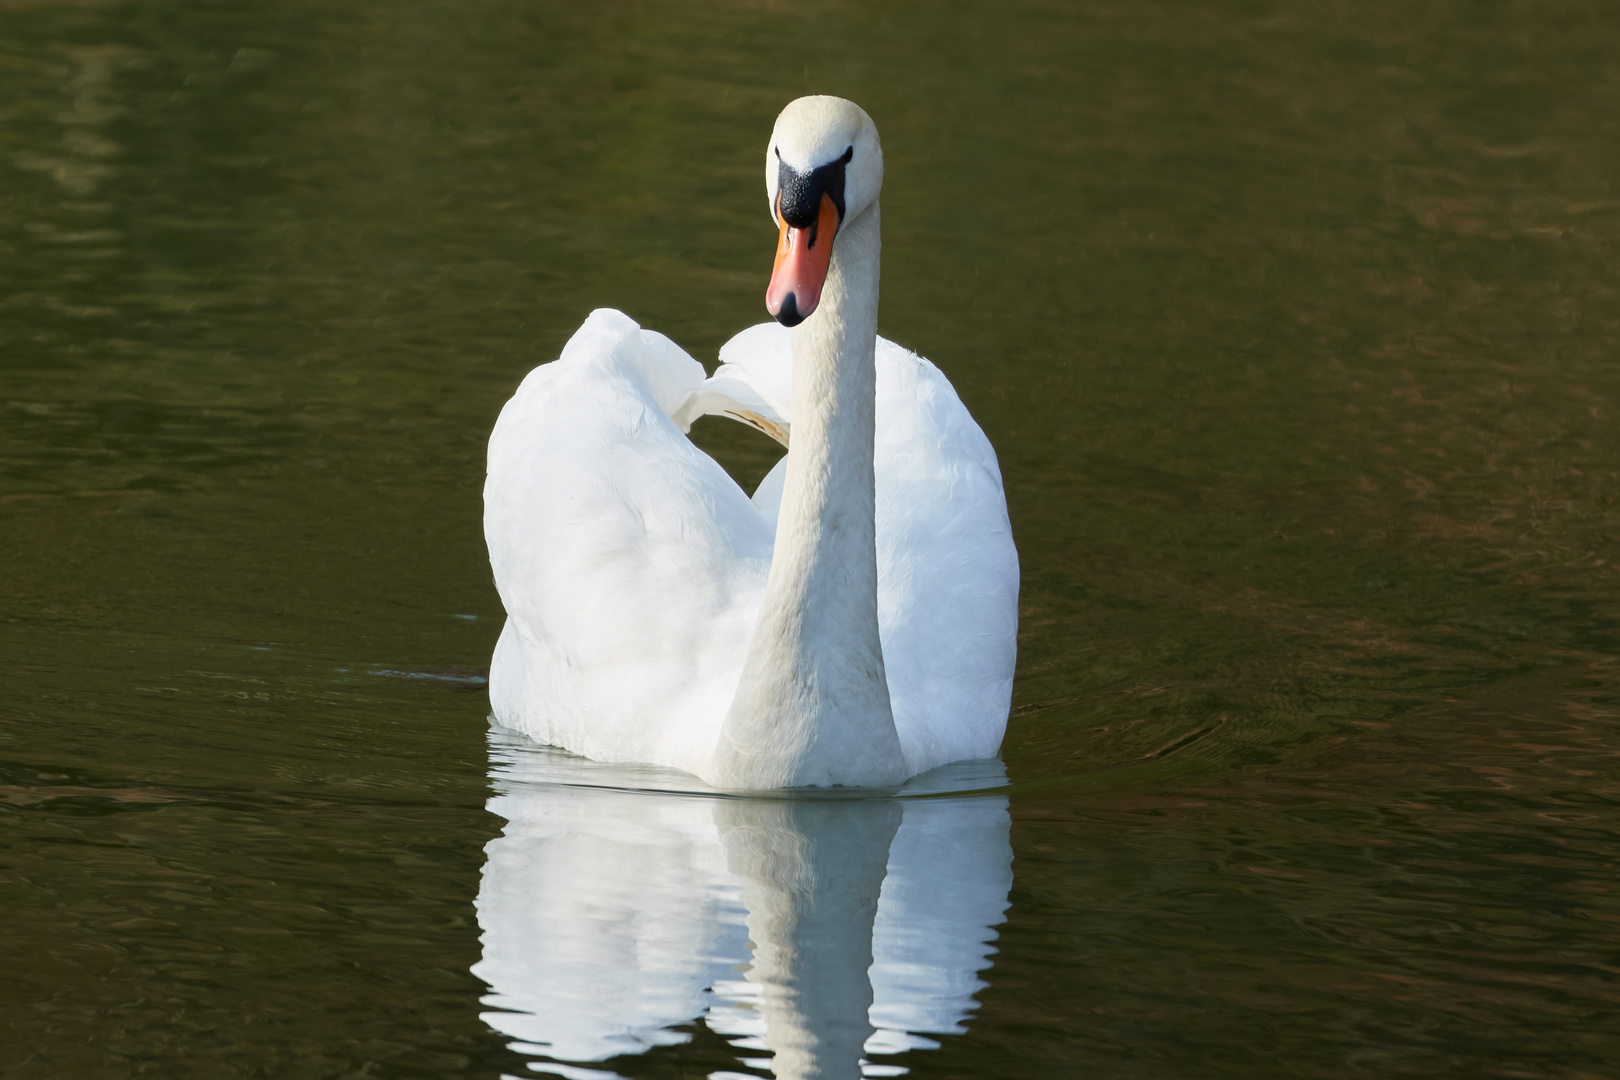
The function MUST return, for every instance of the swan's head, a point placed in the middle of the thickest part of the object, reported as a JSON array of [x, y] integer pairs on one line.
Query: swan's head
[[824, 166]]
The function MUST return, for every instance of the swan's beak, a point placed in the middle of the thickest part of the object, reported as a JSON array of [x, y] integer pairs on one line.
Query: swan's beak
[[802, 257]]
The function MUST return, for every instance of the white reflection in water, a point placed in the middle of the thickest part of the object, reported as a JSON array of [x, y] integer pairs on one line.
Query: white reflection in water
[[621, 903]]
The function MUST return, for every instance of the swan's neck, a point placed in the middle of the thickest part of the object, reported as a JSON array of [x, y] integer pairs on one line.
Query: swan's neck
[[812, 707]]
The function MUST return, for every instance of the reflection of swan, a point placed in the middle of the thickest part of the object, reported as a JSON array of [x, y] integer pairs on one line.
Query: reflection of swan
[[611, 916], [855, 623]]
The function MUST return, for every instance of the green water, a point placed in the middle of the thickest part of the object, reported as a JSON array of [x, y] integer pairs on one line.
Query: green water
[[1296, 329]]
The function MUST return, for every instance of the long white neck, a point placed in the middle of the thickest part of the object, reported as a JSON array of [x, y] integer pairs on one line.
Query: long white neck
[[812, 707]]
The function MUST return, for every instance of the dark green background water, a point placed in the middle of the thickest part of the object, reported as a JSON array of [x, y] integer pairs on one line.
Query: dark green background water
[[1295, 327]]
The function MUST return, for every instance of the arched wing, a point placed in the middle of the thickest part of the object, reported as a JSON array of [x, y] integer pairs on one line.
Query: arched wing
[[947, 568], [630, 564]]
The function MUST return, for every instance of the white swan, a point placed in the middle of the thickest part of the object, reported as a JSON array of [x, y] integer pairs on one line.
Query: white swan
[[854, 624]]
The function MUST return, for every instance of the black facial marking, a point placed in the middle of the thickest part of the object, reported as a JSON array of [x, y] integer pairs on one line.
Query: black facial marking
[[799, 199]]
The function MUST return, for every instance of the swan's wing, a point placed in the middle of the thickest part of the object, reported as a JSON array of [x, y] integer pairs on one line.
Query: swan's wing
[[761, 358], [947, 568], [630, 564], [754, 384]]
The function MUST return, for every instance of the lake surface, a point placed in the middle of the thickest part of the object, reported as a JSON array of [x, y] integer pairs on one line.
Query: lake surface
[[1295, 327]]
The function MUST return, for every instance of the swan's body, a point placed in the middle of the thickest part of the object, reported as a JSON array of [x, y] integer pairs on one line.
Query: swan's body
[[852, 624]]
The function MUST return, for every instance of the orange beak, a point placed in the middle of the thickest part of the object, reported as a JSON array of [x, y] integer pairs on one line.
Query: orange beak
[[802, 257]]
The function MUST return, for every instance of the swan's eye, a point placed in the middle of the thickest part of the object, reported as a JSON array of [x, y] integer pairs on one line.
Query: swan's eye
[[778, 150], [848, 154]]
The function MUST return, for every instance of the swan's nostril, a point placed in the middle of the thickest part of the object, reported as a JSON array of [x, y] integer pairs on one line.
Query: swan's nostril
[[789, 315]]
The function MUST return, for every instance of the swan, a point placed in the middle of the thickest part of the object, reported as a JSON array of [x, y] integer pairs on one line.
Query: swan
[[854, 622]]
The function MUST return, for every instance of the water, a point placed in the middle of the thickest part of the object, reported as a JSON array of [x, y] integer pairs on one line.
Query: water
[[1295, 329]]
